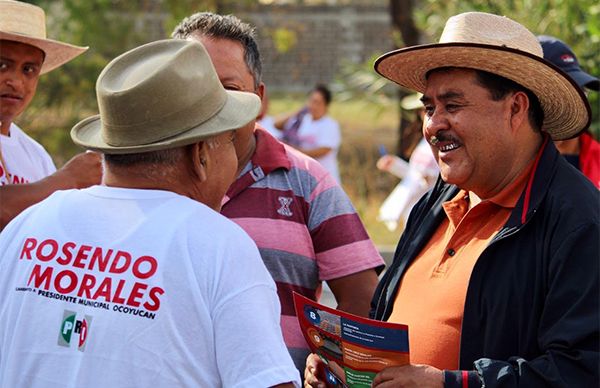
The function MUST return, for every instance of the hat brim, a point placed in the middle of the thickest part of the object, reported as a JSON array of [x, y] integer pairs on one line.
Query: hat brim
[[239, 109], [56, 53], [585, 80], [566, 109]]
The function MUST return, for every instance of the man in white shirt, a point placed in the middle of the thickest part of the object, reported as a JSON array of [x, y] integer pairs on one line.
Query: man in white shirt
[[25, 54], [142, 282]]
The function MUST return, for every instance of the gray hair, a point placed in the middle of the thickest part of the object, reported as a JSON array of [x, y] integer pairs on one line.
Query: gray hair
[[153, 158], [152, 162], [158, 166], [224, 27]]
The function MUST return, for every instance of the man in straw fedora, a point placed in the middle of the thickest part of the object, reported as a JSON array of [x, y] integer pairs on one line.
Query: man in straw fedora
[[25, 54], [497, 271], [141, 282]]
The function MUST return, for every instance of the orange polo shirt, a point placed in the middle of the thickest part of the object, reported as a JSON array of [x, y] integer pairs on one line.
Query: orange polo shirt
[[432, 292]]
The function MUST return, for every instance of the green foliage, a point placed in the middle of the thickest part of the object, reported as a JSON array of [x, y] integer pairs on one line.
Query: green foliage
[[108, 28], [358, 80], [105, 26], [284, 39], [179, 9], [66, 95], [575, 22]]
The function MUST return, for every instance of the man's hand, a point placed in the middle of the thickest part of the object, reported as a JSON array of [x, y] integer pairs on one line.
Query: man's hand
[[81, 171], [353, 292], [313, 372], [385, 163], [407, 376]]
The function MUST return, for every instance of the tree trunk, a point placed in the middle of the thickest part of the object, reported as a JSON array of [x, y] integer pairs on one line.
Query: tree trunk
[[402, 20], [401, 12]]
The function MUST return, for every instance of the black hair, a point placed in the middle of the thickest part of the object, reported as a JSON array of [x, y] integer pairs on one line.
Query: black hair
[[499, 87], [324, 91]]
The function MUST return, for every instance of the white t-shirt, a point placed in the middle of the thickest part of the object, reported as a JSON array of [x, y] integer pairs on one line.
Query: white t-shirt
[[324, 132], [26, 160], [268, 123], [418, 176], [112, 287]]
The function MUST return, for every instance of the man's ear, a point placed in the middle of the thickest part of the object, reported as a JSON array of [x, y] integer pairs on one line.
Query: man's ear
[[199, 160], [519, 109], [261, 91]]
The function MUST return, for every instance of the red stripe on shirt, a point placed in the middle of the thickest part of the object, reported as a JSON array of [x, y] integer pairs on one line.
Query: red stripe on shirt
[[465, 379]]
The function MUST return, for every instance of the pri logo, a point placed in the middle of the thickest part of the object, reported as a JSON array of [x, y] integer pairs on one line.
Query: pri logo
[[71, 325], [285, 203]]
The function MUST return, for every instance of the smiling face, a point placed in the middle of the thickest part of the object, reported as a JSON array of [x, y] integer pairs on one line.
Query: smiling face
[[20, 66], [474, 139]]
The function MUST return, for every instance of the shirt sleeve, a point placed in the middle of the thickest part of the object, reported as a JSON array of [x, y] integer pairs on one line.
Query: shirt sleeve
[[48, 164], [341, 243]]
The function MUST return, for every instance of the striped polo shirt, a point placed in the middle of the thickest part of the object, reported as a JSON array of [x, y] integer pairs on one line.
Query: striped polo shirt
[[304, 225]]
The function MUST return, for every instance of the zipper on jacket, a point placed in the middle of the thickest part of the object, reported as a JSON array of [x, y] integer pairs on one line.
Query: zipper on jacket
[[503, 234]]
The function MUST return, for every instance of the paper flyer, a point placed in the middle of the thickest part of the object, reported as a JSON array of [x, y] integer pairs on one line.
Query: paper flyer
[[354, 348]]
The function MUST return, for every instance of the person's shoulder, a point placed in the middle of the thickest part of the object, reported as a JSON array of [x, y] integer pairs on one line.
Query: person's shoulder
[[572, 195], [588, 138], [56, 198], [200, 220], [330, 122], [307, 166], [24, 138], [31, 216], [33, 148]]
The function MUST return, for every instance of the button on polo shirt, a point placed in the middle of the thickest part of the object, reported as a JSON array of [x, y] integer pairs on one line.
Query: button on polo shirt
[[432, 293]]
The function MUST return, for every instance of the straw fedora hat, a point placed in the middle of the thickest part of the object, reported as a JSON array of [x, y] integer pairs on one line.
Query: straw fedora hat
[[26, 23], [164, 94], [501, 46]]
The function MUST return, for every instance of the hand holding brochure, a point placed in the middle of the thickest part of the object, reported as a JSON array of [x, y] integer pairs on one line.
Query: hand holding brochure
[[354, 349]]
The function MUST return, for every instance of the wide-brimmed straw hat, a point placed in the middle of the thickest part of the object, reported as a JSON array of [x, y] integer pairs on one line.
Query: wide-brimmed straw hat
[[161, 95], [26, 23], [501, 46]]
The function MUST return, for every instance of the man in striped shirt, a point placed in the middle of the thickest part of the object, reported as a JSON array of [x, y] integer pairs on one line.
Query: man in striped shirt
[[304, 224]]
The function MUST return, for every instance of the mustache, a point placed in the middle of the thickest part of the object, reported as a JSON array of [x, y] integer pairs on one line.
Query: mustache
[[439, 137]]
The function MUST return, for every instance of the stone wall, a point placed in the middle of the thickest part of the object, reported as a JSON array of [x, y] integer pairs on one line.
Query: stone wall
[[320, 40]]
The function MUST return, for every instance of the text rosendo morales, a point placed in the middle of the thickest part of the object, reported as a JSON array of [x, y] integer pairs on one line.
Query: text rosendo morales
[[108, 286]]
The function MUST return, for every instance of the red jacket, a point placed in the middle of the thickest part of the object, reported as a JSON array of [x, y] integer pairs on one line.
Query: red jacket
[[589, 158]]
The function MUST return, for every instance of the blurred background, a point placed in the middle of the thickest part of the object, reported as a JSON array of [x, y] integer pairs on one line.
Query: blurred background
[[302, 43]]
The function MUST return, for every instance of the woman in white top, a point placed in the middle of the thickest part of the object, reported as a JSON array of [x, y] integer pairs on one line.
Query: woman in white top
[[313, 132]]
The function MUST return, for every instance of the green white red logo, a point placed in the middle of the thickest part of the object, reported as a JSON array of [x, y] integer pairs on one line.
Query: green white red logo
[[73, 329]]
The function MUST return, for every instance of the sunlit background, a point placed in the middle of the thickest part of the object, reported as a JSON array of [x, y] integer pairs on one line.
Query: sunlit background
[[302, 43]]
